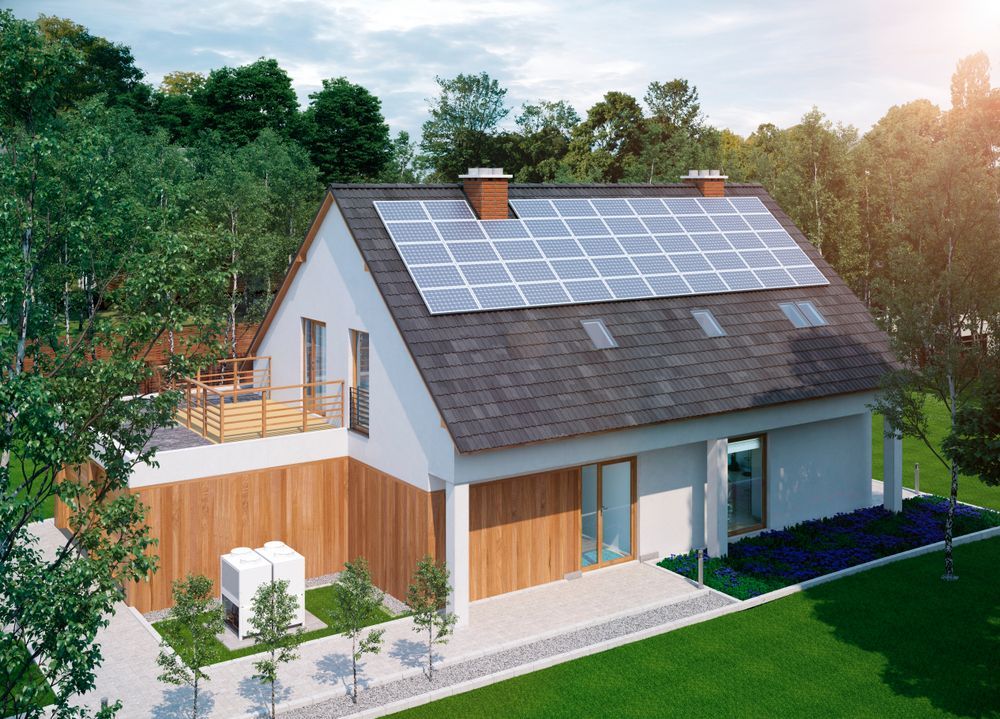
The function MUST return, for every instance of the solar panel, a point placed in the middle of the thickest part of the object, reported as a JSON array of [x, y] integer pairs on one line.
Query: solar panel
[[575, 250]]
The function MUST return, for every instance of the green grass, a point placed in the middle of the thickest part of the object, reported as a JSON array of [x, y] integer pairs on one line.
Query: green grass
[[892, 642], [934, 478], [47, 508], [33, 679], [319, 602]]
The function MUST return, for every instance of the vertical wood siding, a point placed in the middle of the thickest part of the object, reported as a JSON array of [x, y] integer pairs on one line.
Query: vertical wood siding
[[330, 511], [523, 531]]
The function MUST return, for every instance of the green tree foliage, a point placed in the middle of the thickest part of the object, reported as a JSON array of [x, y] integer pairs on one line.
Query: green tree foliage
[[402, 165], [942, 301], [88, 220], [427, 598], [197, 619], [273, 612], [544, 130], [359, 604], [175, 105], [106, 68], [605, 141], [239, 102], [675, 137], [463, 125], [345, 132], [974, 441], [252, 205]]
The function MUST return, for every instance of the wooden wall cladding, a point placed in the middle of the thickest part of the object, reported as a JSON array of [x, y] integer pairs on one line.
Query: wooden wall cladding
[[85, 473], [523, 531], [304, 505], [393, 525], [330, 511]]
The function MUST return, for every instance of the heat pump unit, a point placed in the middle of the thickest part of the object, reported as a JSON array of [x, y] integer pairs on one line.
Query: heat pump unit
[[243, 571], [289, 565]]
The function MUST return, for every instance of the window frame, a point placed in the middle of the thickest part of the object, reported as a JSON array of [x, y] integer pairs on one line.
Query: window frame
[[763, 484], [709, 324]]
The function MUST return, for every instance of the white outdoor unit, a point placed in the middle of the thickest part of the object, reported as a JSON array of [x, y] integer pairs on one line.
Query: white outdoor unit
[[243, 571], [288, 564]]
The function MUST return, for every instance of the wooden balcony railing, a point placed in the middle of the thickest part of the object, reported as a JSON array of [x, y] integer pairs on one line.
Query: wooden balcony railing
[[236, 401]]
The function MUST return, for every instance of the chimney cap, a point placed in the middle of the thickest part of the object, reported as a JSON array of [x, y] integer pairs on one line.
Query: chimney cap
[[485, 173], [705, 175]]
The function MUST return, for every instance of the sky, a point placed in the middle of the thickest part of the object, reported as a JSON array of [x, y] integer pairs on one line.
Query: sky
[[751, 62]]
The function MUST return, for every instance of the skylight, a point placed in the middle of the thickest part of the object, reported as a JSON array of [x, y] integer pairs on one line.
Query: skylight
[[802, 314], [599, 334], [708, 323]]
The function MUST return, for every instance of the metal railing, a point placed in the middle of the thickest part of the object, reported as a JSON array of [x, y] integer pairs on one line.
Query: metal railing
[[236, 401], [359, 415]]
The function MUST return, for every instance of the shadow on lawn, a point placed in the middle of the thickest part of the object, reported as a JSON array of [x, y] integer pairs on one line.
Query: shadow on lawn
[[940, 640]]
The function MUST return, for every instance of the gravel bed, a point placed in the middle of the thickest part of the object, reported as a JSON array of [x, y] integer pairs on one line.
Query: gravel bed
[[322, 581], [450, 674], [395, 606]]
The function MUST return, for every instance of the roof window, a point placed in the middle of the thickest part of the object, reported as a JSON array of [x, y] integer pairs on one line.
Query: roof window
[[802, 314], [599, 334], [708, 323]]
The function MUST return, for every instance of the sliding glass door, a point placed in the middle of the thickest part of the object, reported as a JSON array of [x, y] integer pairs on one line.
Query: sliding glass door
[[607, 517]]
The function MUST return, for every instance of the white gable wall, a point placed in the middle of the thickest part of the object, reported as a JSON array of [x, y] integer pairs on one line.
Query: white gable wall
[[406, 438]]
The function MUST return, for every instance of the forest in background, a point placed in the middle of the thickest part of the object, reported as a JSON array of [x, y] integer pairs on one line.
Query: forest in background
[[242, 164]]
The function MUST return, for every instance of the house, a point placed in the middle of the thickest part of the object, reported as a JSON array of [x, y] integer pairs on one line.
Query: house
[[528, 382]]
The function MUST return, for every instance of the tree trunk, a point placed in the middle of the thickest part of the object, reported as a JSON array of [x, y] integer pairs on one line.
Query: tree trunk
[[354, 667], [272, 701], [949, 522], [194, 706], [430, 652]]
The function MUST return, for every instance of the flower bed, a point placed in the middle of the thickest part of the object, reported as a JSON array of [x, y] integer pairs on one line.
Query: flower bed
[[775, 559]]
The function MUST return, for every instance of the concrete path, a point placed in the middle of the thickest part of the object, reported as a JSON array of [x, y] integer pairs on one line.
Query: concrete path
[[323, 669], [878, 492]]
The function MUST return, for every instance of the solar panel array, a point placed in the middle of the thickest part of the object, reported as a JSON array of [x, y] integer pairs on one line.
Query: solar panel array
[[572, 251]]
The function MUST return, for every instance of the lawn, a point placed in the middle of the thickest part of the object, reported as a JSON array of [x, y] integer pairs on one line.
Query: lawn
[[892, 642], [47, 508], [934, 478], [777, 558], [319, 602], [34, 681]]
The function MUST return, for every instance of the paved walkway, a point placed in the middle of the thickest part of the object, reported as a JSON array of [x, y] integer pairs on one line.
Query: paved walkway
[[323, 669], [878, 492]]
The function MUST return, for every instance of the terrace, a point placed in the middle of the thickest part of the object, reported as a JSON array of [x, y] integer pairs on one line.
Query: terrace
[[235, 400]]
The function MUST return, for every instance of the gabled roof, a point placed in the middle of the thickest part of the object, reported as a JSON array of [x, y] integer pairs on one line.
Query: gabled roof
[[512, 377]]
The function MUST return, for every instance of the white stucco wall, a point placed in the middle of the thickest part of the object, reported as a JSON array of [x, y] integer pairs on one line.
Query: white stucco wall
[[818, 469], [574, 451], [406, 437], [814, 470]]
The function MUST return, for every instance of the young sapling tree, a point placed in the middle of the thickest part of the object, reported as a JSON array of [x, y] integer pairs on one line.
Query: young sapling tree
[[359, 604], [273, 611], [195, 619], [427, 599]]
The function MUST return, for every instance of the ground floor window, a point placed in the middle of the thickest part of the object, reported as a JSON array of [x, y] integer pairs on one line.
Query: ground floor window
[[747, 485]]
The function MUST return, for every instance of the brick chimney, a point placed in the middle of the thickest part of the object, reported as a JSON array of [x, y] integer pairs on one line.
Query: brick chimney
[[486, 190], [710, 183]]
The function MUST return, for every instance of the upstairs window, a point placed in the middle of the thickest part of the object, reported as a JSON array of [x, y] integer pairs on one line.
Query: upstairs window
[[802, 314], [709, 325], [360, 377], [599, 334]]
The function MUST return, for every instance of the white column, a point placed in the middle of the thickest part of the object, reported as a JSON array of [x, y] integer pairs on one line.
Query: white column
[[457, 548], [717, 499], [892, 469]]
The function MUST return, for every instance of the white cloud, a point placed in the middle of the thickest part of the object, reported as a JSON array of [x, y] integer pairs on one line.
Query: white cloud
[[751, 63]]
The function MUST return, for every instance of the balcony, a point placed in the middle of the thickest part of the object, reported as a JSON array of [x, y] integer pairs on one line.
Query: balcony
[[235, 400]]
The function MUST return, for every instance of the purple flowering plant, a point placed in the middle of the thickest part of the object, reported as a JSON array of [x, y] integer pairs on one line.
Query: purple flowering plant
[[778, 558]]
